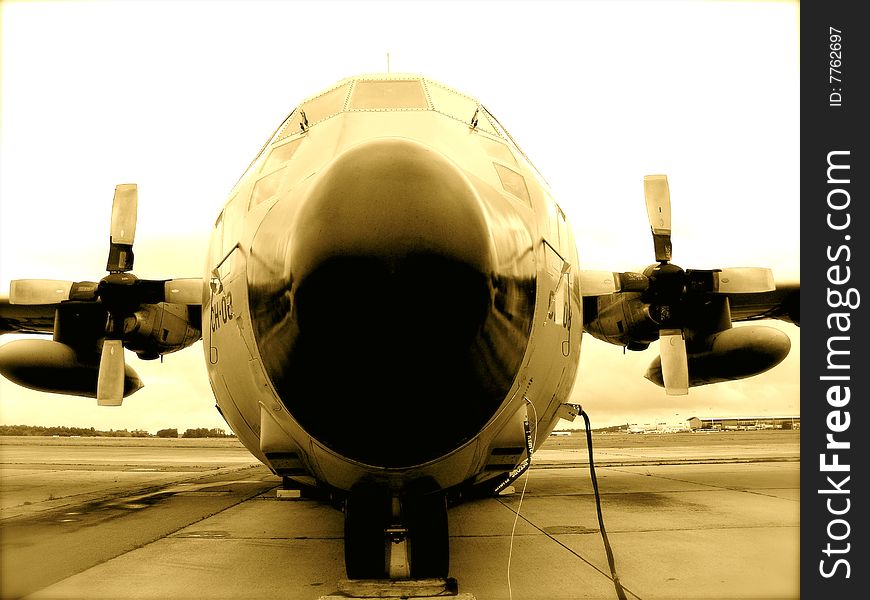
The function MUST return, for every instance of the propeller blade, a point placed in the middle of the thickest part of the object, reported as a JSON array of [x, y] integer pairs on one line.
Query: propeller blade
[[50, 291], [123, 228], [184, 291], [39, 291], [603, 283], [110, 381], [745, 280], [738, 280], [124, 207], [658, 210], [675, 362]]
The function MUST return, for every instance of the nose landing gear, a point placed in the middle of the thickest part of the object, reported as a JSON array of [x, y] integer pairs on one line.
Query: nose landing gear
[[393, 537], [397, 542]]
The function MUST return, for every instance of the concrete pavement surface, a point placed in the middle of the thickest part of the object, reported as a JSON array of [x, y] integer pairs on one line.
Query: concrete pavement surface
[[688, 516]]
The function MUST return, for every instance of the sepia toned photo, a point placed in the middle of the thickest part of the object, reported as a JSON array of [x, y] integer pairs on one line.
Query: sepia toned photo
[[480, 300]]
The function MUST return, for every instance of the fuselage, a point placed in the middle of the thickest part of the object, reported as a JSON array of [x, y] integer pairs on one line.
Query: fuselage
[[393, 293]]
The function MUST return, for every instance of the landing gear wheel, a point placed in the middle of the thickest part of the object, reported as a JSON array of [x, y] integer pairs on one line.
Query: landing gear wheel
[[366, 517], [429, 543]]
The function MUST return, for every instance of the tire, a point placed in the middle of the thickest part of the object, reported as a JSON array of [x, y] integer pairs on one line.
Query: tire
[[366, 516], [429, 542]]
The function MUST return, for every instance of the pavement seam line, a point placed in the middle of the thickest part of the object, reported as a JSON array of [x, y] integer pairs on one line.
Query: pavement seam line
[[710, 485], [571, 550]]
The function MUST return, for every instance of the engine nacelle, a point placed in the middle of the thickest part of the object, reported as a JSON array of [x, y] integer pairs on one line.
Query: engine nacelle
[[731, 354], [622, 319], [49, 366], [157, 329]]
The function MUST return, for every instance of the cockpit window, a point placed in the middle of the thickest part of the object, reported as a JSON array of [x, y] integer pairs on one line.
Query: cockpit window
[[513, 182], [498, 150], [368, 95], [486, 123], [503, 133], [459, 106], [452, 104], [326, 105], [290, 126], [265, 188], [280, 154], [315, 110]]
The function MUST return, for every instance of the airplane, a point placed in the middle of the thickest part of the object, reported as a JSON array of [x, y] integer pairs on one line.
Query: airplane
[[392, 312]]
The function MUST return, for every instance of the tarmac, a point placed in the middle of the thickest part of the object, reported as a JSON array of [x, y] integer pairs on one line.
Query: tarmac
[[688, 516]]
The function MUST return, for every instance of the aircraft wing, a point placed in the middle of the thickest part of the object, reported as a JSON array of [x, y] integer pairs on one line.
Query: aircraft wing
[[783, 303], [39, 318], [25, 318]]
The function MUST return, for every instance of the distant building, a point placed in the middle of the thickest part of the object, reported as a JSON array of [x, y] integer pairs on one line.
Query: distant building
[[743, 423], [560, 433], [657, 428]]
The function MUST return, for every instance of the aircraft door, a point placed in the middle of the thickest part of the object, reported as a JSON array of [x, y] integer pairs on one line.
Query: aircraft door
[[557, 351], [559, 310], [231, 350]]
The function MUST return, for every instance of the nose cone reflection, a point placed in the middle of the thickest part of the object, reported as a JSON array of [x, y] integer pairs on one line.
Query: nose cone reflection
[[391, 284], [386, 199]]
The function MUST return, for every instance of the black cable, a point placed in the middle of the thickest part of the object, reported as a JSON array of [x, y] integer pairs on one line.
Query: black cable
[[620, 593]]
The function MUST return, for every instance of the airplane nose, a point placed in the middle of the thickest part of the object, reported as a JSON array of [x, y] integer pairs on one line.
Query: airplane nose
[[388, 199], [390, 284]]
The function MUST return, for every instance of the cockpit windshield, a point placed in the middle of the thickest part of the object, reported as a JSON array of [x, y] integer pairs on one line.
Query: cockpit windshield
[[326, 105], [387, 94], [391, 93]]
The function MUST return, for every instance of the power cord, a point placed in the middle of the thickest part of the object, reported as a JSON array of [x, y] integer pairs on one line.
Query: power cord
[[531, 440], [620, 593]]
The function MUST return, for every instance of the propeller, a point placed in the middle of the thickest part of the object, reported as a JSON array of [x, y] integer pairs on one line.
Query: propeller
[[120, 292], [670, 292], [671, 288]]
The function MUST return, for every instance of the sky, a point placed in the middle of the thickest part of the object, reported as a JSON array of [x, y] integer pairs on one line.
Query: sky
[[178, 97]]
